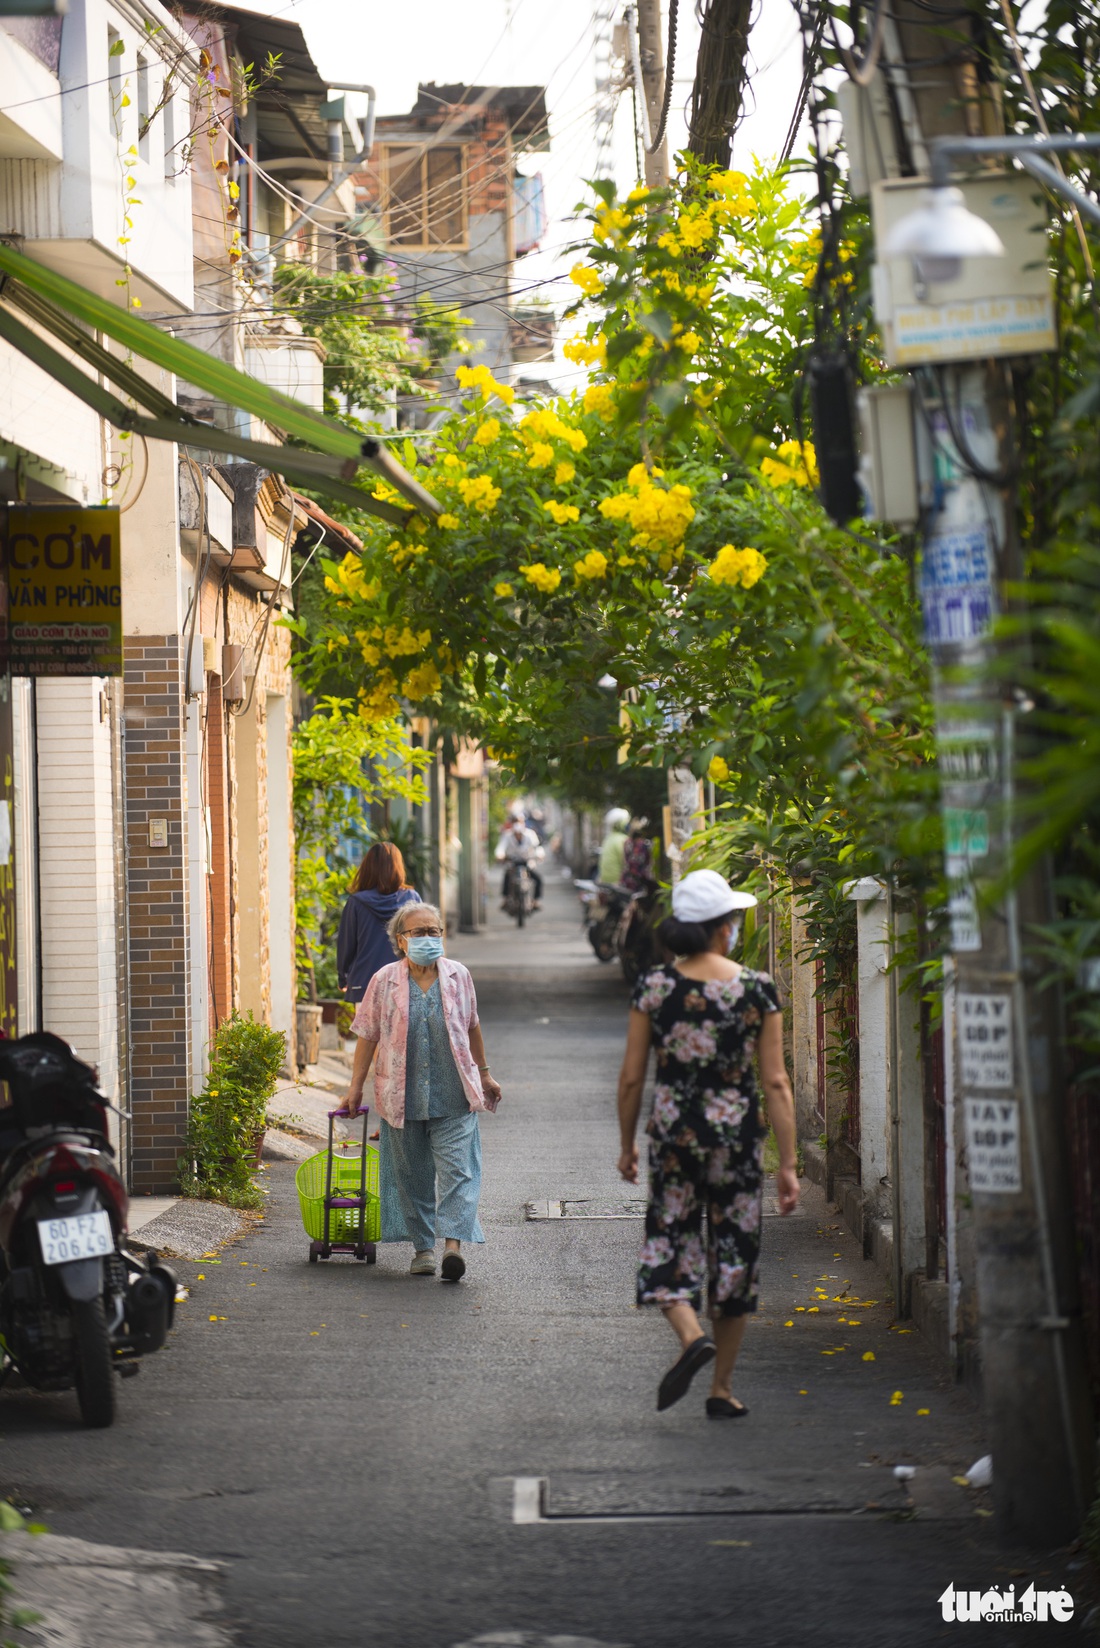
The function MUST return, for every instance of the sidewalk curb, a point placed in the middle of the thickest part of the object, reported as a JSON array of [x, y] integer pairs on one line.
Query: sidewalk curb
[[191, 1229], [88, 1593]]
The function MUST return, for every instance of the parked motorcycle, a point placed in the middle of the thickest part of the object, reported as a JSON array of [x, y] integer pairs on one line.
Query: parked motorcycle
[[619, 922], [76, 1305], [520, 898]]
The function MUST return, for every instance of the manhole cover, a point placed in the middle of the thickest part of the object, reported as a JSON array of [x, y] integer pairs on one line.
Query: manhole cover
[[586, 1209]]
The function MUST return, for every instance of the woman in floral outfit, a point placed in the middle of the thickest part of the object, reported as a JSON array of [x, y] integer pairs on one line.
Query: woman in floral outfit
[[708, 1018]]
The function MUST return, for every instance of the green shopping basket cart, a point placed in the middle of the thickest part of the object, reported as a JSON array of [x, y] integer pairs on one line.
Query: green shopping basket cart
[[338, 1196]]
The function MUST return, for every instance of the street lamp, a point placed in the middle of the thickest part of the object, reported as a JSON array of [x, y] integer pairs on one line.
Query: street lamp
[[943, 231], [940, 234]]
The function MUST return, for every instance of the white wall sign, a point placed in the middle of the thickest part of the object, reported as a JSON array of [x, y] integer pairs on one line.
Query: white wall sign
[[962, 907], [985, 1041], [993, 1136]]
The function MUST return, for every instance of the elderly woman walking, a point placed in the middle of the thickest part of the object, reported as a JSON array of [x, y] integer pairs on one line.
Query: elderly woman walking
[[419, 1017], [707, 1017]]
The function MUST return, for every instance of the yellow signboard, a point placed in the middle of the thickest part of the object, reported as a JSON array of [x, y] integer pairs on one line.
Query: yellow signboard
[[62, 589]]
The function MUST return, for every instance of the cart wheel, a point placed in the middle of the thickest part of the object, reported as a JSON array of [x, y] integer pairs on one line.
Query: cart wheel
[[314, 1252], [361, 1251], [326, 1250], [372, 1253]]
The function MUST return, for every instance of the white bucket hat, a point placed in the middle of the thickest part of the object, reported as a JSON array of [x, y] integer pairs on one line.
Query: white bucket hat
[[704, 894]]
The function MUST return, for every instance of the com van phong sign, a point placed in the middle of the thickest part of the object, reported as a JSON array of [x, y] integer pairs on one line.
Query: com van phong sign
[[62, 589]]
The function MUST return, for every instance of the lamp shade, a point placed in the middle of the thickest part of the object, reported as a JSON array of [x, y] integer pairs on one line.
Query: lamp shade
[[940, 234]]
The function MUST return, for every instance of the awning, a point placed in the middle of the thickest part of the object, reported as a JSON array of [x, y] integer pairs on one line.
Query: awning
[[57, 304]]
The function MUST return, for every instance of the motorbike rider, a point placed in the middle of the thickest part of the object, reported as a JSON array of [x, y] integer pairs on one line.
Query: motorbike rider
[[637, 876], [520, 845], [613, 846]]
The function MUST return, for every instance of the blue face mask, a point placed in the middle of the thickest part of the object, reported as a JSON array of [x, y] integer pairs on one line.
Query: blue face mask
[[423, 951]]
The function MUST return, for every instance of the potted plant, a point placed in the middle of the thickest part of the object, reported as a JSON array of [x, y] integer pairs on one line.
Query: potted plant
[[228, 1119]]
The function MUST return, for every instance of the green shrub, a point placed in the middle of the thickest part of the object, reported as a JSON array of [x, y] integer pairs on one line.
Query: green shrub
[[230, 1113]]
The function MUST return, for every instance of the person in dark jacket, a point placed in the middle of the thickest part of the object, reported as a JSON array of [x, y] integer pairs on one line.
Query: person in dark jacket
[[377, 893]]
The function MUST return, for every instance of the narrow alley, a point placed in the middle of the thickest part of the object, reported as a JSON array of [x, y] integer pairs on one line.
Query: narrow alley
[[377, 1458]]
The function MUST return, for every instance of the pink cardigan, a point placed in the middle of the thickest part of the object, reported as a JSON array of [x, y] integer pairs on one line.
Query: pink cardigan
[[383, 1017]]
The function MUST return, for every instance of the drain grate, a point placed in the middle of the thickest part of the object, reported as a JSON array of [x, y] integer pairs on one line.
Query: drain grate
[[586, 1209], [534, 1499]]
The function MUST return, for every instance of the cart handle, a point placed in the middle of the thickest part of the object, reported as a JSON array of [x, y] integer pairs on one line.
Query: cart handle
[[350, 1114]]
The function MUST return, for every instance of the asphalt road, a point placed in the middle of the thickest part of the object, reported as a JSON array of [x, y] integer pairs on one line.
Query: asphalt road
[[346, 1440]]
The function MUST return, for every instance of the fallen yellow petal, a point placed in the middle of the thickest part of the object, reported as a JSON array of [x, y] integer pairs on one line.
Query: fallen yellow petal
[[960, 1481], [868, 1356], [813, 1311], [211, 1318], [803, 1393], [788, 1324], [897, 1399], [923, 1413]]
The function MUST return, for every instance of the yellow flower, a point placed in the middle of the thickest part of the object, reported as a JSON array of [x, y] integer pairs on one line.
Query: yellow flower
[[610, 223], [797, 463], [738, 566], [579, 349], [587, 278], [691, 342], [897, 1399], [923, 1413], [564, 473], [718, 770], [423, 681], [543, 577], [868, 1356], [479, 493], [542, 453], [447, 521], [670, 243], [546, 425], [503, 590], [592, 565], [351, 580], [453, 461], [481, 379], [600, 398], [660, 516], [486, 433], [695, 229], [561, 513]]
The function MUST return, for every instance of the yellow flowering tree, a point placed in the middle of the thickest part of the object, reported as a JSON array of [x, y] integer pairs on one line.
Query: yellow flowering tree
[[660, 527]]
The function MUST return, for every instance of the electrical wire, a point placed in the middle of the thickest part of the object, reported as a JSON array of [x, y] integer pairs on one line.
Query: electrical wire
[[271, 603], [1041, 122], [670, 70], [861, 70]]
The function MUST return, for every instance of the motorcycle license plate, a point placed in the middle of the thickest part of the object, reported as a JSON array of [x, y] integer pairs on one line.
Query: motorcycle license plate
[[84, 1236]]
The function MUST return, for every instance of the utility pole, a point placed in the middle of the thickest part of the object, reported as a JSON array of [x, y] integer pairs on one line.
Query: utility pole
[[651, 40], [1010, 1134]]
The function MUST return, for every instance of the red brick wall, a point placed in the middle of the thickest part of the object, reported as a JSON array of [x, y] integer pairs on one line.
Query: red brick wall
[[156, 877]]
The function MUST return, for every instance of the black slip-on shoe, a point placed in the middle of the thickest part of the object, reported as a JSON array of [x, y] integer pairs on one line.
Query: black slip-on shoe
[[453, 1267], [677, 1380], [720, 1407]]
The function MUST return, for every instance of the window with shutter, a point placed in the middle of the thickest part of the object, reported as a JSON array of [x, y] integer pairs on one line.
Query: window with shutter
[[425, 195]]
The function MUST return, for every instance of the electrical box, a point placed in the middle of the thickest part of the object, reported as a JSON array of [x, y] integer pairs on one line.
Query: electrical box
[[158, 832], [211, 661], [996, 305], [869, 140], [888, 458], [233, 673]]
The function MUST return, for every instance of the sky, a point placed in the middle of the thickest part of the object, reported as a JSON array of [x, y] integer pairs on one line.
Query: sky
[[530, 42]]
